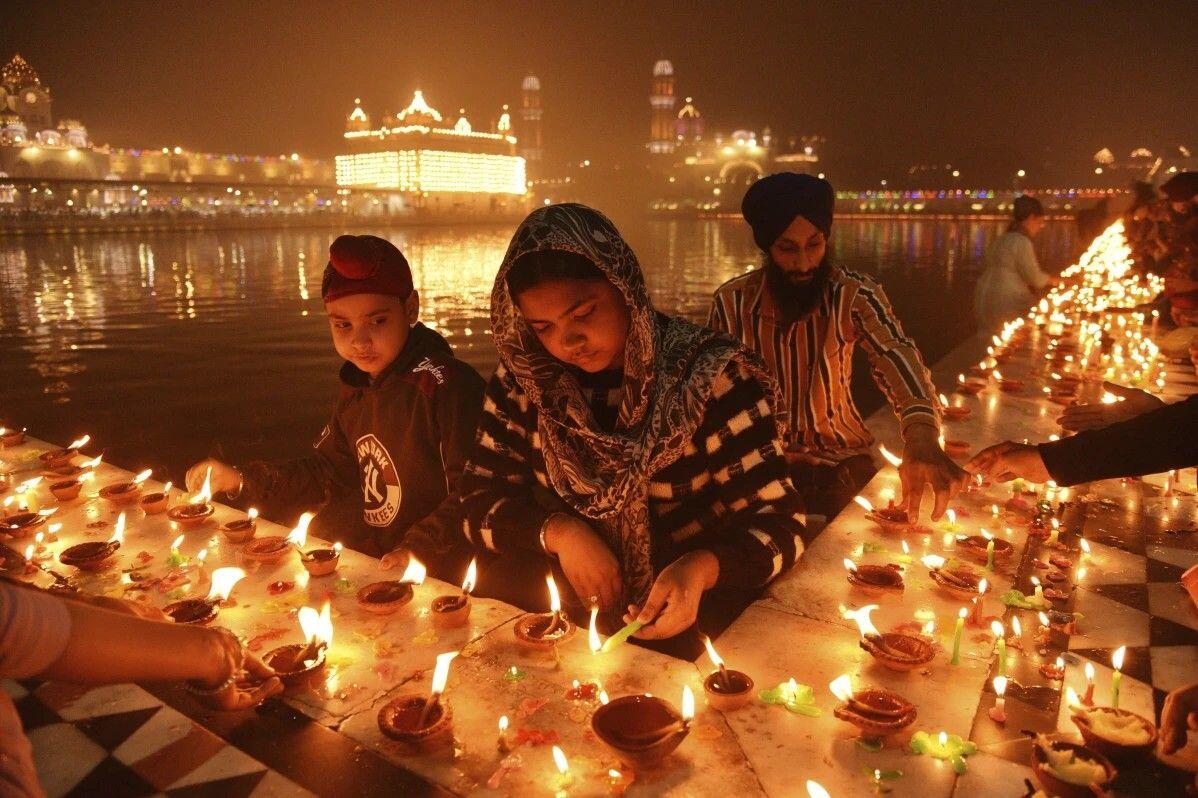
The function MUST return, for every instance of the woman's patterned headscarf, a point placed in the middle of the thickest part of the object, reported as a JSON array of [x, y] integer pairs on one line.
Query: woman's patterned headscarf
[[670, 366]]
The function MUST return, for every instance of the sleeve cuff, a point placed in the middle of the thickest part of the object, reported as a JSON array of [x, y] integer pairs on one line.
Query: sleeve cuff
[[514, 523], [914, 415]]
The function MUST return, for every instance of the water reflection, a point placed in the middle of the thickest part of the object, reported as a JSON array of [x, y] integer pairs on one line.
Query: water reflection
[[171, 346]]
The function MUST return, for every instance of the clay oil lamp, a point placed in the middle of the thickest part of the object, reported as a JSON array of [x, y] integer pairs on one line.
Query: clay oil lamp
[[985, 548], [123, 493], [12, 437], [897, 651], [204, 610], [642, 730], [892, 520], [298, 665], [24, 498], [95, 555], [321, 562], [955, 447], [156, 502], [57, 458], [971, 386], [66, 490], [1008, 384], [953, 412], [423, 724], [960, 582], [1069, 770], [19, 525], [877, 713], [452, 611], [542, 632], [242, 529], [271, 549], [1117, 734], [384, 598], [874, 580], [196, 510], [71, 471], [726, 689]]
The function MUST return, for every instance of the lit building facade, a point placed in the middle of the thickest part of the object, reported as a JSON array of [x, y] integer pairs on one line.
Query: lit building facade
[[530, 126], [427, 163]]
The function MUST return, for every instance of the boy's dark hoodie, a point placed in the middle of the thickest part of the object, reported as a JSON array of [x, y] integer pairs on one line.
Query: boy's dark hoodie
[[402, 442]]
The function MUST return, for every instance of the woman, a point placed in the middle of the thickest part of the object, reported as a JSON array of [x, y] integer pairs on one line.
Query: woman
[[1011, 277], [640, 452]]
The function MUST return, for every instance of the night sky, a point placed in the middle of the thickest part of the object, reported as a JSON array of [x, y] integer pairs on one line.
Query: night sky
[[988, 87]]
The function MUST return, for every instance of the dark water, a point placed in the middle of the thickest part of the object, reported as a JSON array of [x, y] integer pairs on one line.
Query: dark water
[[167, 347]]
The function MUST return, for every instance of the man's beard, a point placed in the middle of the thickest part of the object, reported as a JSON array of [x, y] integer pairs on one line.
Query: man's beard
[[796, 300]]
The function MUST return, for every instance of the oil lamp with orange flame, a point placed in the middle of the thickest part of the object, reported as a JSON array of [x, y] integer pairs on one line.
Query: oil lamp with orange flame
[[453, 610], [272, 548], [198, 508], [126, 492], [424, 724], [726, 689], [298, 664], [876, 712], [543, 631], [897, 651], [57, 458], [95, 555], [203, 611], [242, 529], [158, 501], [386, 597], [642, 730], [875, 580]]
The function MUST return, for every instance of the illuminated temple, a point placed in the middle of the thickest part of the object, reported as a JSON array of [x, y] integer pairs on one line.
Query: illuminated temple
[[434, 163]]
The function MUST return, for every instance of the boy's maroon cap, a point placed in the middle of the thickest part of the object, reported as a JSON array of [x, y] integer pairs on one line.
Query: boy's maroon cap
[[365, 265]]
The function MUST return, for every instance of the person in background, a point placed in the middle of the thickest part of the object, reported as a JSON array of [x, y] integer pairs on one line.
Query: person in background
[[805, 315], [401, 429], [105, 641], [1011, 276]]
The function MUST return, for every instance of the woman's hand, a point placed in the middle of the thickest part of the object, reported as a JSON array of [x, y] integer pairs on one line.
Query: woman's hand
[[1096, 415], [586, 560], [1178, 717], [398, 557], [225, 478], [253, 682], [673, 603]]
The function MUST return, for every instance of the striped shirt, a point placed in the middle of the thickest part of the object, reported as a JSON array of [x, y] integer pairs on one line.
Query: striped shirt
[[729, 493], [812, 359]]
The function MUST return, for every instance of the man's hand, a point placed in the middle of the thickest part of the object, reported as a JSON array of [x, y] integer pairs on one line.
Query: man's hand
[[673, 603], [398, 557], [1178, 717], [225, 478], [925, 463], [1093, 416], [586, 560], [1006, 461]]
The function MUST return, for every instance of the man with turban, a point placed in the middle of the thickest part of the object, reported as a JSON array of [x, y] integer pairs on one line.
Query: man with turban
[[805, 315]]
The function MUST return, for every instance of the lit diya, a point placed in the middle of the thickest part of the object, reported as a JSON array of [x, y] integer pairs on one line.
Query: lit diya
[[726, 689], [70, 471], [979, 547], [94, 555], [156, 502], [19, 525], [1062, 396], [642, 730], [241, 529], [895, 650], [874, 580], [321, 562], [1008, 384], [452, 611], [1069, 770], [958, 581], [271, 549], [422, 724], [971, 386], [543, 631], [196, 510], [298, 664], [876, 712], [952, 412], [57, 458], [1117, 734], [123, 493], [12, 437], [202, 611], [384, 598], [891, 519], [66, 490]]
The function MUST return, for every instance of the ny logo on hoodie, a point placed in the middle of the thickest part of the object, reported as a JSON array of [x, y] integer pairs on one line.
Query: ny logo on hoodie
[[381, 491]]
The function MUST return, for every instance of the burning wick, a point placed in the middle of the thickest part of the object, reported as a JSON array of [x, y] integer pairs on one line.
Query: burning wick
[[593, 641], [440, 677], [998, 712], [415, 572], [318, 631], [564, 779], [1117, 678], [223, 580], [299, 535], [1088, 700], [956, 658], [555, 605], [503, 743], [1000, 646], [816, 790], [718, 661]]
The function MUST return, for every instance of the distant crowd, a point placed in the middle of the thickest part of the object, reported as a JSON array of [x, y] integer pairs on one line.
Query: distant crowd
[[1163, 234]]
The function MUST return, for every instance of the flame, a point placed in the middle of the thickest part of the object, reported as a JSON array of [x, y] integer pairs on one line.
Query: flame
[[29, 553], [176, 543], [1000, 686], [996, 629], [414, 573], [1015, 627], [944, 738], [118, 534], [1060, 663], [252, 514], [998, 375], [39, 537], [961, 379], [1035, 581], [842, 687], [503, 723], [850, 565], [299, 535], [47, 512], [951, 515], [593, 632], [441, 672], [317, 626], [205, 490], [1085, 545], [716, 659], [79, 443], [1043, 618], [603, 699], [864, 502], [906, 548], [337, 547], [29, 484], [223, 580], [861, 616], [555, 601], [559, 759], [1071, 699], [929, 628], [932, 560], [201, 555], [688, 703], [92, 463], [166, 488], [890, 458], [986, 534], [1117, 657], [982, 587], [816, 790], [943, 400], [471, 577], [142, 476], [1089, 671]]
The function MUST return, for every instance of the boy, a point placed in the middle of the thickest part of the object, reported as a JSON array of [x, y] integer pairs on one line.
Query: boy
[[402, 427]]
